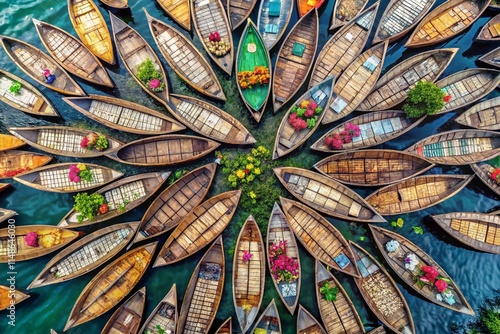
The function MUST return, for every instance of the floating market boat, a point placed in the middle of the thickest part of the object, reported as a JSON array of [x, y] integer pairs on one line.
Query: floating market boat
[[304, 6], [273, 20], [8, 142], [307, 324], [490, 32], [127, 318], [179, 11], [164, 314], [238, 11], [483, 172], [491, 58], [6, 214], [269, 321], [345, 10], [118, 4], [482, 115], [15, 163], [8, 296], [226, 327]]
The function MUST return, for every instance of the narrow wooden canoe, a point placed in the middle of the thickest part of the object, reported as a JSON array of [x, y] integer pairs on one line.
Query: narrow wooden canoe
[[490, 32], [127, 318], [50, 238], [287, 137], [90, 26], [269, 321], [439, 26], [418, 193], [72, 54], [8, 296], [179, 11], [304, 6], [111, 285], [273, 27], [491, 58], [392, 88], [378, 330], [54, 178], [9, 142], [474, 229], [346, 10], [326, 195], [355, 83], [164, 150], [33, 62], [53, 331], [381, 293], [164, 314], [121, 196], [226, 327], [238, 11], [199, 228], [209, 120], [372, 167], [292, 67], [307, 324], [483, 173], [5, 214], [483, 115], [15, 163], [118, 4], [396, 260], [248, 276]]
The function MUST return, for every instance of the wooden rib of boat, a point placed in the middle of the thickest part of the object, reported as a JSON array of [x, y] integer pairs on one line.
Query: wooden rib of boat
[[164, 314], [199, 228], [418, 193], [392, 88], [304, 6], [483, 172], [346, 10], [483, 116], [179, 11], [14, 162], [226, 327], [490, 32], [5, 214], [491, 58], [127, 318], [238, 11], [269, 321], [381, 293], [118, 4], [378, 330], [7, 297], [307, 324], [272, 26], [292, 66], [9, 142]]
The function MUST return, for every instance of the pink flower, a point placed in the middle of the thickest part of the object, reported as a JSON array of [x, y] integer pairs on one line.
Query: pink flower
[[441, 285], [312, 105], [309, 112], [84, 143], [246, 256], [154, 83], [431, 273], [31, 239]]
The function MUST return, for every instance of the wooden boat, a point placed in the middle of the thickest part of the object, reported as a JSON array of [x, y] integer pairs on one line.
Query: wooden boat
[[204, 292], [494, 5], [53, 331], [307, 324], [288, 138], [392, 88], [482, 115], [491, 58], [121, 196], [418, 193], [50, 238], [238, 11], [248, 276], [378, 330], [209, 120], [381, 293], [6, 214], [355, 83], [326, 195], [304, 6], [476, 230], [179, 11], [90, 26], [54, 178], [439, 25], [33, 62], [483, 172], [164, 314], [226, 327], [127, 318], [8, 142], [111, 285], [372, 167], [15, 163], [4, 186], [271, 23], [490, 32], [72, 54], [199, 228], [346, 10], [7, 296], [269, 321], [396, 260], [209, 16], [118, 4]]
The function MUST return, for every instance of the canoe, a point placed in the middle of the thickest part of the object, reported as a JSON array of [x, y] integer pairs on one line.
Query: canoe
[[33, 62], [418, 193], [326, 195], [54, 178], [346, 10], [15, 163], [4, 186], [369, 168], [6, 214], [209, 120], [304, 6], [439, 26], [208, 17], [278, 230], [121, 196], [392, 88], [127, 318], [163, 150], [307, 324], [375, 128], [53, 331], [295, 59], [483, 172], [9, 142], [179, 11], [378, 330], [483, 115], [476, 230], [8, 296], [226, 327], [111, 285], [49, 239], [381, 293], [185, 59], [458, 147], [248, 276], [490, 32], [355, 83], [491, 58], [269, 321], [204, 292], [164, 314], [271, 23], [199, 228], [118, 4], [289, 137], [29, 99], [396, 260], [72, 54], [91, 27], [344, 46], [238, 11], [175, 202]]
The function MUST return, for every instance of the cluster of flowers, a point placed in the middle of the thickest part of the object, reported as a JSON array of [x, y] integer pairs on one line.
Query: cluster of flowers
[[283, 268], [217, 45], [78, 172], [337, 140], [31, 239], [94, 140], [156, 85], [430, 275], [150, 76], [14, 172], [243, 168], [248, 79], [304, 115], [246, 256], [495, 174]]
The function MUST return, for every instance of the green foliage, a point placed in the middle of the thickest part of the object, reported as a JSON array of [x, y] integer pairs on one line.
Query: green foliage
[[244, 168], [87, 205], [488, 321], [361, 238], [231, 250], [102, 143], [15, 87], [418, 230], [86, 175], [330, 293], [398, 223], [177, 175], [426, 98], [146, 72]]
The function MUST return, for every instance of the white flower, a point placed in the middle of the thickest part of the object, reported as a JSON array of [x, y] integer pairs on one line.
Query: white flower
[[411, 261], [392, 246]]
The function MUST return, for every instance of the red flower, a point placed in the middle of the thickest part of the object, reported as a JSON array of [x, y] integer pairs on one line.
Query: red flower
[[309, 113], [495, 175], [84, 143], [214, 37], [431, 273], [297, 122], [246, 171], [447, 98], [441, 285]]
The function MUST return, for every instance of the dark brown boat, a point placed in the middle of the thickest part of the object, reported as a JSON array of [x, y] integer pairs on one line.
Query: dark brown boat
[[483, 115], [226, 327], [490, 32], [14, 162], [483, 172], [164, 314], [127, 318], [238, 11], [307, 324]]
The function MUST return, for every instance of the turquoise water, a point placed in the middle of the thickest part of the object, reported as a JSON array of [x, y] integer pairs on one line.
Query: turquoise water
[[476, 273]]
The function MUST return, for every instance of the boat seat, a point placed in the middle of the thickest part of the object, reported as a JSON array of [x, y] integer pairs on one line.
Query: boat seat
[[271, 28], [274, 8], [298, 49]]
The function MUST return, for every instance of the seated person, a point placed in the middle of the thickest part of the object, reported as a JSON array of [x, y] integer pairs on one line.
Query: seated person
[[49, 77]]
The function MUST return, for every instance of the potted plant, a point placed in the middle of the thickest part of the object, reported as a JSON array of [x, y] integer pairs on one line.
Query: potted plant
[[337, 140], [426, 98], [329, 292], [248, 79], [494, 174], [283, 268]]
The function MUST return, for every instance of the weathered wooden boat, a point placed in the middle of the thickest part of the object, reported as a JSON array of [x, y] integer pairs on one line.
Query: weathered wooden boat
[[53, 331], [199, 227], [476, 230], [5, 214], [367, 168], [326, 195], [209, 120], [288, 137], [392, 88], [490, 32], [307, 324], [179, 11], [34, 62], [111, 285], [72, 54], [304, 6], [164, 314], [8, 296], [127, 318], [453, 299], [14, 162], [483, 115], [491, 58], [378, 330], [208, 17], [446, 21], [273, 19], [226, 327], [417, 193], [346, 10], [355, 83], [269, 321], [9, 142], [238, 11], [90, 26], [381, 293], [295, 59], [483, 172], [249, 274], [118, 4]]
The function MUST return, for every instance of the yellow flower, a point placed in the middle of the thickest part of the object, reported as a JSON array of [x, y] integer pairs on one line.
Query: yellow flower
[[246, 307], [256, 171], [81, 166], [249, 166], [250, 158], [252, 195], [263, 150], [304, 104], [240, 173]]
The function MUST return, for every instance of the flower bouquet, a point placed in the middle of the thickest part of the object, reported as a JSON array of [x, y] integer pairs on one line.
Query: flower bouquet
[[94, 140], [78, 172], [283, 268], [248, 79], [494, 174], [304, 115], [337, 140]]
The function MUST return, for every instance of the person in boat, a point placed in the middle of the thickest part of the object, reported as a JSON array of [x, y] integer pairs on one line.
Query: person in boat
[[49, 77]]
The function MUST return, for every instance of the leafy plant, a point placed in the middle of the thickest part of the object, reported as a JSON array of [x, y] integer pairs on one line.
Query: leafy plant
[[418, 230], [150, 76], [398, 223], [87, 205], [86, 175], [426, 98], [102, 143], [330, 293], [15, 87], [488, 320], [177, 175], [361, 238]]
